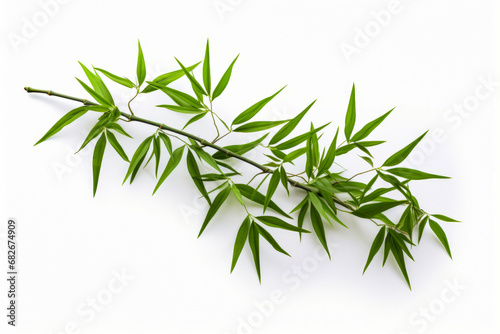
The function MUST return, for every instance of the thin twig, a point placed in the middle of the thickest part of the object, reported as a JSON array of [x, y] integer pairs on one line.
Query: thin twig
[[255, 177], [217, 139], [216, 128], [366, 171], [132, 99], [290, 174]]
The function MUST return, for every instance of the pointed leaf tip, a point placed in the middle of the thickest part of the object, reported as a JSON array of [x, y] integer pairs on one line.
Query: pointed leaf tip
[[350, 117]]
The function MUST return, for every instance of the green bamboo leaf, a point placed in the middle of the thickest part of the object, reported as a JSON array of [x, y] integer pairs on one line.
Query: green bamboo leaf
[[445, 218], [93, 133], [253, 241], [136, 169], [284, 179], [390, 179], [302, 215], [253, 195], [167, 78], [438, 231], [377, 243], [278, 223], [410, 222], [368, 128], [387, 247], [216, 204], [174, 160], [194, 82], [197, 92], [224, 80], [182, 99], [355, 188], [350, 117], [317, 203], [273, 184], [237, 194], [327, 162], [239, 149], [114, 114], [119, 80], [376, 194], [94, 94], [326, 191], [207, 157], [319, 229], [194, 171], [370, 210], [294, 154], [151, 156], [301, 204], [139, 156], [166, 140], [157, 153], [258, 126], [117, 127], [398, 255], [98, 85], [69, 118], [346, 148], [194, 119], [397, 238], [227, 166], [206, 70], [290, 126], [314, 147], [413, 174], [309, 159], [279, 154], [312, 154], [385, 199], [368, 160], [299, 139], [401, 187], [214, 177], [399, 156], [241, 238], [330, 211], [421, 228], [97, 160], [116, 145], [182, 110], [384, 219], [309, 156], [141, 66], [254, 109], [266, 235], [369, 186], [274, 159], [364, 149]]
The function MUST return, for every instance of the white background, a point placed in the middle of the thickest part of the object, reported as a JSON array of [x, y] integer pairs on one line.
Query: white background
[[427, 58]]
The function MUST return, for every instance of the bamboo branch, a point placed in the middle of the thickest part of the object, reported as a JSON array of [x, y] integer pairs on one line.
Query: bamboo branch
[[202, 141]]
